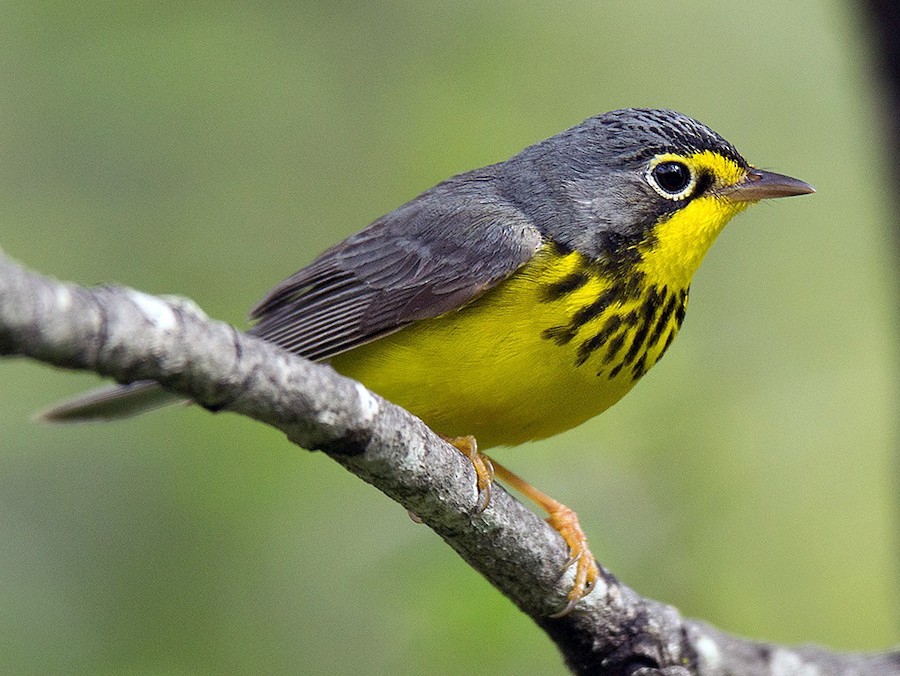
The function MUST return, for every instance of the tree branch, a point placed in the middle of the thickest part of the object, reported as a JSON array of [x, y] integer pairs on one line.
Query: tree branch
[[129, 335]]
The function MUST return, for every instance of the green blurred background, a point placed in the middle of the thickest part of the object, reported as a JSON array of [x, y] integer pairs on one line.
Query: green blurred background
[[210, 149]]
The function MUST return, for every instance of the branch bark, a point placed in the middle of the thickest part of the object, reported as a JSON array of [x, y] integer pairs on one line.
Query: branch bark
[[128, 335]]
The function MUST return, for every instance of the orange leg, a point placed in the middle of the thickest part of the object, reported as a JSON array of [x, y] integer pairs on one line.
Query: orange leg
[[561, 518], [565, 522], [484, 469]]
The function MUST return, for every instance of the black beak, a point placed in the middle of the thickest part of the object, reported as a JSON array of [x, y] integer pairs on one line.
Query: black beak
[[760, 185]]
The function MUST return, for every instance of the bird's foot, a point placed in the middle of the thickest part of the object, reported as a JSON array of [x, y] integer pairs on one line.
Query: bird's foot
[[484, 469]]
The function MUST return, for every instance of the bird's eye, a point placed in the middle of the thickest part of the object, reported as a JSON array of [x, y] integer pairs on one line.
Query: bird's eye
[[671, 179]]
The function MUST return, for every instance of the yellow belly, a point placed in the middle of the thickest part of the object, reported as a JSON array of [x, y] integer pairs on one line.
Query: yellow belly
[[528, 359]]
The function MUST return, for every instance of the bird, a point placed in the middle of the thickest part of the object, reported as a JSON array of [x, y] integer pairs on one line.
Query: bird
[[512, 302]]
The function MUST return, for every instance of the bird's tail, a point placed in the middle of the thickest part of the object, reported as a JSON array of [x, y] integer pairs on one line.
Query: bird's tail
[[111, 403]]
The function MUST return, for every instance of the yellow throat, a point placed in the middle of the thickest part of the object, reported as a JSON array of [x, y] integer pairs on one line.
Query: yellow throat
[[557, 343]]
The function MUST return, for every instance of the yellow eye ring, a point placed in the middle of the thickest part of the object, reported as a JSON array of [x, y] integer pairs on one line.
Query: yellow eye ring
[[671, 177]]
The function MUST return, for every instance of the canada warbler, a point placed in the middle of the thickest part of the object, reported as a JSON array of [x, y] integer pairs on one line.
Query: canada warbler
[[516, 301]]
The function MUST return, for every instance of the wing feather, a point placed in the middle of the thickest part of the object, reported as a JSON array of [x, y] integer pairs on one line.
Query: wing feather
[[430, 256]]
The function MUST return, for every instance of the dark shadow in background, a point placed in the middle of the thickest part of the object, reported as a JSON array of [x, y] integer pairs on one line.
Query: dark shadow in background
[[883, 30]]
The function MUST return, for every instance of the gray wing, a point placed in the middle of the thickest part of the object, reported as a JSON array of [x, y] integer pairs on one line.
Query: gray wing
[[430, 256]]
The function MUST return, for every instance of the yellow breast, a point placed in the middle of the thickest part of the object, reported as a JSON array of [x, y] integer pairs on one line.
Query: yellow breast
[[557, 343], [552, 346]]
